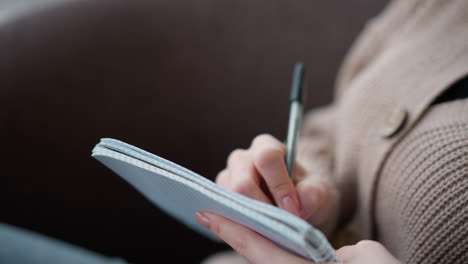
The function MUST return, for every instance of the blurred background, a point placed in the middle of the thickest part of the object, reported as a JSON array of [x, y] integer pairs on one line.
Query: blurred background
[[187, 80]]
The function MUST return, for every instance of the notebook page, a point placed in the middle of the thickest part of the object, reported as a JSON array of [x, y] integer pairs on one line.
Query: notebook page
[[270, 210]]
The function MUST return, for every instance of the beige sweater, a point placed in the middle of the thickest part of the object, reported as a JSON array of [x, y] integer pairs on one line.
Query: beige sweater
[[400, 164]]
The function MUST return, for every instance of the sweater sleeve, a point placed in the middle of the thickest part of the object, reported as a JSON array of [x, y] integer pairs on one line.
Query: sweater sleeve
[[315, 148], [316, 155]]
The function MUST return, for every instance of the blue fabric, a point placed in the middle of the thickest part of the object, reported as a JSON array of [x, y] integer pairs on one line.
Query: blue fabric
[[20, 246]]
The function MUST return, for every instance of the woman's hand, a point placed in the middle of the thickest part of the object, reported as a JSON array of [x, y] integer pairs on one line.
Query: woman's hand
[[259, 250], [366, 252], [260, 172]]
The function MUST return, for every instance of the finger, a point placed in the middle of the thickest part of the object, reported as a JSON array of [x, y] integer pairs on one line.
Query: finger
[[243, 178], [268, 155], [249, 244], [222, 179], [263, 140], [346, 253], [315, 196]]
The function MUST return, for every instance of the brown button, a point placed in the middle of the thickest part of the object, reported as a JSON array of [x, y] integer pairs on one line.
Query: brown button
[[394, 122]]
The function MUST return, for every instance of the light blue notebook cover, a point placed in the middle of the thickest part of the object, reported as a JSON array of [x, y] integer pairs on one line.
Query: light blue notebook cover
[[180, 193]]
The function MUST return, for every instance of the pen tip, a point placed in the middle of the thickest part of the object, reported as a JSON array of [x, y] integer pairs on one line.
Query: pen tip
[[299, 64]]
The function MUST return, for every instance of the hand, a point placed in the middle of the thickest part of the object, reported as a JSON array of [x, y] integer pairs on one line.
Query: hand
[[260, 173], [258, 250], [366, 252]]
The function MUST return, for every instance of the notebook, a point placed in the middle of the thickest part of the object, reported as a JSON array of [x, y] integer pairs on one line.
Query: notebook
[[180, 193]]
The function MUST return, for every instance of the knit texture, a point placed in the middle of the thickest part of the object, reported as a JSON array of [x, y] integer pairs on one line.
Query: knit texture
[[422, 197], [404, 59], [408, 190]]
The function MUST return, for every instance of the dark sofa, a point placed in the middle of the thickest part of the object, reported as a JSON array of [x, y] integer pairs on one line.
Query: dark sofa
[[187, 80]]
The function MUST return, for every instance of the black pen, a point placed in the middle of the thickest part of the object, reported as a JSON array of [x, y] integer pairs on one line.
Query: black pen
[[295, 117]]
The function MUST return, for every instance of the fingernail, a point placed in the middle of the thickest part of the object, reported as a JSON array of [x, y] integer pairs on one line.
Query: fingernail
[[203, 219], [290, 204]]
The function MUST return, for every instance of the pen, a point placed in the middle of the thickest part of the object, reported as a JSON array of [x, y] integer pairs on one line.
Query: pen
[[295, 116]]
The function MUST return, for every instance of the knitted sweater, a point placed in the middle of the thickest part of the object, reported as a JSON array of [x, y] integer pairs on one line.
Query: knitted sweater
[[399, 162], [422, 198]]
